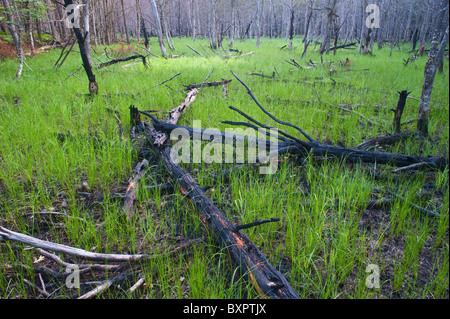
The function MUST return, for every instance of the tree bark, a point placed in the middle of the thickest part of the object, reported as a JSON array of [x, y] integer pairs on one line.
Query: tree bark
[[15, 28], [125, 22], [93, 86], [245, 255], [158, 28], [213, 28], [430, 71], [399, 111]]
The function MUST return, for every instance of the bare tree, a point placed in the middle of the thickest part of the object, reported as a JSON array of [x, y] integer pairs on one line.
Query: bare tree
[[330, 10], [15, 28], [125, 22], [93, 86], [158, 28], [431, 66]]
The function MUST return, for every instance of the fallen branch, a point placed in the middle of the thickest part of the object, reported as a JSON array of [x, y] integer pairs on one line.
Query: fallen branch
[[256, 223], [206, 84], [195, 50], [420, 209], [6, 234], [385, 140], [342, 46], [173, 77], [130, 194], [404, 168], [114, 61], [175, 114], [267, 113]]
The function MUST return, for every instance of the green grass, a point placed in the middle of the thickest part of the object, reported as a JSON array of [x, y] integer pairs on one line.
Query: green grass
[[326, 237]]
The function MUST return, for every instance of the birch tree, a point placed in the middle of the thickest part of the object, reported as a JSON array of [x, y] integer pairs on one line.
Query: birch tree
[[15, 28], [158, 28], [431, 67]]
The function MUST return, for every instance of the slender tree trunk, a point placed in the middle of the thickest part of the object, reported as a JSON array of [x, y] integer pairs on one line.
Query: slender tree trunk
[[125, 22], [258, 27], [30, 31], [431, 66], [158, 28], [194, 20], [93, 86], [92, 10], [308, 22], [15, 28], [213, 25], [87, 33], [291, 27], [138, 20]]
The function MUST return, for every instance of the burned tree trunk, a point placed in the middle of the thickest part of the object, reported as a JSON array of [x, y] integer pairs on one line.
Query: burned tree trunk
[[268, 281], [114, 61], [291, 28], [93, 86], [294, 145], [246, 256], [399, 111]]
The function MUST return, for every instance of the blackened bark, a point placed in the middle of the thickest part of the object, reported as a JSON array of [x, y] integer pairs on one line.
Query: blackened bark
[[399, 111], [93, 86]]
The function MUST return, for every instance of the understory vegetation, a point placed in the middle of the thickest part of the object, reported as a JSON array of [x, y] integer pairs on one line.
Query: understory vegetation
[[65, 152]]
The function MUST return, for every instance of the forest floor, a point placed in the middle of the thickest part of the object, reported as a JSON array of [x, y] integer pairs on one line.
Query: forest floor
[[66, 159]]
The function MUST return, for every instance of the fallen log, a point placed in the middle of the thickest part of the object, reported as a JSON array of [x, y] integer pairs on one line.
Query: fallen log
[[267, 280], [195, 50], [312, 147], [6, 234], [246, 256], [305, 149], [206, 84], [351, 154], [385, 140], [344, 46], [114, 61]]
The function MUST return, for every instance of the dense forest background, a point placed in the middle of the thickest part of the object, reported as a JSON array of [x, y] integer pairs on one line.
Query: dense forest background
[[223, 21]]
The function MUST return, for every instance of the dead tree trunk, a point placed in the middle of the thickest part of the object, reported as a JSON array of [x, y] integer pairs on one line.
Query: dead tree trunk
[[87, 34], [93, 86], [114, 61], [158, 28], [291, 28], [430, 71], [125, 22], [399, 111], [246, 256], [15, 28], [294, 145], [267, 280]]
